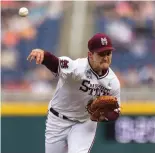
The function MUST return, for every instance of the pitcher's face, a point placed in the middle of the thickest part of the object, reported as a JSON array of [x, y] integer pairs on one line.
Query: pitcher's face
[[101, 60]]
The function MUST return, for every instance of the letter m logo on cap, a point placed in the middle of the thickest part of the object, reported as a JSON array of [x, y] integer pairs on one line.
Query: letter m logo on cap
[[104, 41]]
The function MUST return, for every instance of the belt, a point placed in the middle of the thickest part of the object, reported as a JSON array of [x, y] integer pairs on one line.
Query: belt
[[58, 114]]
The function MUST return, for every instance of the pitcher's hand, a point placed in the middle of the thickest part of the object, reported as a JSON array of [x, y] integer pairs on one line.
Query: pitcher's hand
[[36, 54]]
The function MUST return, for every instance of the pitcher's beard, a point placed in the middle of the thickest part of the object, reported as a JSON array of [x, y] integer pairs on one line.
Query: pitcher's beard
[[98, 66]]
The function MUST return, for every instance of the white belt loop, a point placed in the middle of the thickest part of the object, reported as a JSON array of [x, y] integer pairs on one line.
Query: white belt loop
[[60, 115]]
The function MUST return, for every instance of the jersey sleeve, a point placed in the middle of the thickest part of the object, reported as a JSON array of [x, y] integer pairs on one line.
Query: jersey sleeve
[[115, 85], [66, 67]]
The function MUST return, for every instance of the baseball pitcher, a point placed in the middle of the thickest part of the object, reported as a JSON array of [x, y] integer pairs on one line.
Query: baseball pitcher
[[87, 92]]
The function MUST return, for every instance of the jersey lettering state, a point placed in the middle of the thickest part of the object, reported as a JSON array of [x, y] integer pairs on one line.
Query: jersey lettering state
[[93, 89], [77, 84]]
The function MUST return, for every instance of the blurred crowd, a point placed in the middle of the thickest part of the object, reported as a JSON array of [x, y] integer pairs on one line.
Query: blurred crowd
[[40, 29], [131, 25]]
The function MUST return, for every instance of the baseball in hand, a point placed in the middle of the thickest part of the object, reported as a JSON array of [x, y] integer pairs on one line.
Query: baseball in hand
[[23, 11]]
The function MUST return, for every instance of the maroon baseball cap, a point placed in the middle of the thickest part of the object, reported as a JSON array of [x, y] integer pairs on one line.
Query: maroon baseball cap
[[100, 42]]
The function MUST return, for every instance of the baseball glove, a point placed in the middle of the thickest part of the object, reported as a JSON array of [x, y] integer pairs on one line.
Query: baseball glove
[[103, 108]]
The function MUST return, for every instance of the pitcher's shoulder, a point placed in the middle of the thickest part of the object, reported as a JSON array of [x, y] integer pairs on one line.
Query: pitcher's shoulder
[[112, 75], [81, 62]]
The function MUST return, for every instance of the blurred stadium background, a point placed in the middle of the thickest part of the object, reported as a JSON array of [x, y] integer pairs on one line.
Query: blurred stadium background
[[63, 28]]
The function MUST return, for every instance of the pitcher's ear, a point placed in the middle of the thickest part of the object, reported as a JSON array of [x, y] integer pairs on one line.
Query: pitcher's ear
[[90, 54]]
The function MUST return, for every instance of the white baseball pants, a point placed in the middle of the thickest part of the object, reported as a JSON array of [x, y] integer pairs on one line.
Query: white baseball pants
[[64, 136]]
